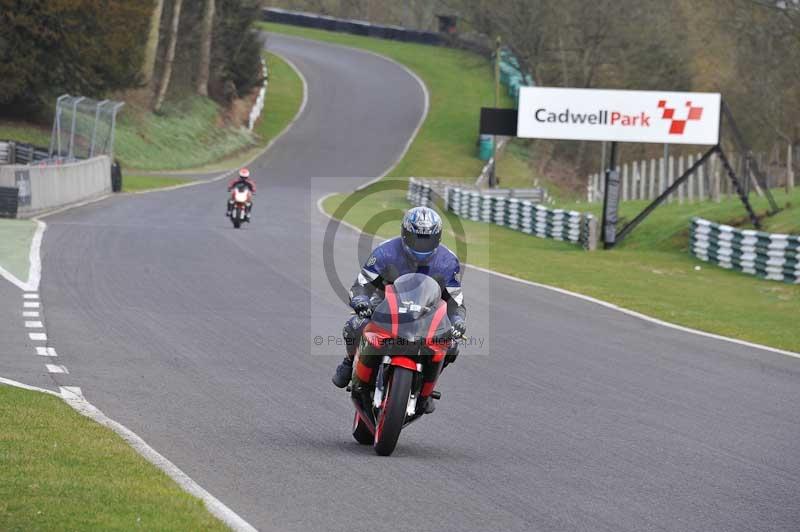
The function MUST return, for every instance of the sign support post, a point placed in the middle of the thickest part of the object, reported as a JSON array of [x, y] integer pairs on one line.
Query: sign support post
[[611, 199]]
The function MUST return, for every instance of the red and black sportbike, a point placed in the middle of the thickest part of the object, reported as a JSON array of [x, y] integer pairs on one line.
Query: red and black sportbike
[[402, 352], [242, 199]]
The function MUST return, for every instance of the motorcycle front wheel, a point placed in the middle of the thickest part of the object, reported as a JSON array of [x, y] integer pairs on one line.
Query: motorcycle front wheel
[[393, 411]]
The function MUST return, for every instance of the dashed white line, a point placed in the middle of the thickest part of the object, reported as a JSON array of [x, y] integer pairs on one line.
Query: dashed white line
[[30, 296], [56, 368], [33, 324], [38, 336], [30, 314], [31, 304], [46, 352]]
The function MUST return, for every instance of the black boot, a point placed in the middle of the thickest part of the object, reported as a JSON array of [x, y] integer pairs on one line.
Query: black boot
[[344, 372], [426, 405]]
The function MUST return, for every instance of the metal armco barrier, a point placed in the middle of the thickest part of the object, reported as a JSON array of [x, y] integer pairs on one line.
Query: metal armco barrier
[[21, 153], [508, 211], [356, 27], [766, 255]]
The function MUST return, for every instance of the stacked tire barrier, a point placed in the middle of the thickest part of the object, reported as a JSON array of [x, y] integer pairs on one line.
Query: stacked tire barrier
[[766, 255], [515, 213]]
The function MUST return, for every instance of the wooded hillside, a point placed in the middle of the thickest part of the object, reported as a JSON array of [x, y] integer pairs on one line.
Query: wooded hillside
[[155, 47]]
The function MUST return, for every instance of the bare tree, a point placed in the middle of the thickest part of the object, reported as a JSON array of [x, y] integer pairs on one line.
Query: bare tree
[[205, 48], [170, 58], [151, 48]]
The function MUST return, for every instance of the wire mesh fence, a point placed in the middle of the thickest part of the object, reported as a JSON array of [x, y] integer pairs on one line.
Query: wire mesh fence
[[83, 128]]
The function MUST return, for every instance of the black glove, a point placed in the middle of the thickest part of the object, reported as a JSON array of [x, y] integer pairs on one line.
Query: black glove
[[459, 327], [361, 305]]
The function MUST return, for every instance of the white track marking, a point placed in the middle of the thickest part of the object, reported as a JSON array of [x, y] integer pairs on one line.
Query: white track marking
[[35, 257], [56, 368], [33, 325], [590, 299], [46, 352], [34, 263], [74, 398], [11, 278], [40, 337], [30, 314], [16, 384], [30, 296], [31, 304]]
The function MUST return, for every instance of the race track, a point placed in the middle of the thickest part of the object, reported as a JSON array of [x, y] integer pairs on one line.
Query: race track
[[198, 338]]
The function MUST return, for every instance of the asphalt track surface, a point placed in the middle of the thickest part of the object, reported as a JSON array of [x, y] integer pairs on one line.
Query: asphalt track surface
[[198, 338]]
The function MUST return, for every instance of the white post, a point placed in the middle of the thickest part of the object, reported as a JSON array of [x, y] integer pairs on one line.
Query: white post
[[640, 178], [670, 176], [715, 189], [677, 175], [662, 181], [701, 181], [652, 184], [691, 180], [626, 186]]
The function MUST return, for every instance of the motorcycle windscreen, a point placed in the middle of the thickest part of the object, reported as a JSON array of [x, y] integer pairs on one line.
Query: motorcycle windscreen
[[416, 297]]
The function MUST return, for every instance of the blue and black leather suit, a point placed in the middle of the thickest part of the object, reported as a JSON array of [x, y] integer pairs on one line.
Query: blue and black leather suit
[[389, 261]]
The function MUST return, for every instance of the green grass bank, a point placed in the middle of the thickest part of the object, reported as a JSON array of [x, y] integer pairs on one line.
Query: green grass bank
[[62, 471], [189, 134]]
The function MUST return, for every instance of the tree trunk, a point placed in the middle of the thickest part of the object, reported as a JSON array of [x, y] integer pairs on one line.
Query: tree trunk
[[173, 42], [151, 48], [205, 49]]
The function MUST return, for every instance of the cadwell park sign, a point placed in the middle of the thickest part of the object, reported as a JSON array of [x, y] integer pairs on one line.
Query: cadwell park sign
[[619, 115]]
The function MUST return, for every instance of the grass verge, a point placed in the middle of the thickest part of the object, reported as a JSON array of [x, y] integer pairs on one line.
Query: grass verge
[[187, 134], [138, 183], [62, 471], [15, 246], [652, 272]]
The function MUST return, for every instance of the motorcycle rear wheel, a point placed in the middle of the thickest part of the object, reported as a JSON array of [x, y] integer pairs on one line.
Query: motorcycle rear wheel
[[393, 413]]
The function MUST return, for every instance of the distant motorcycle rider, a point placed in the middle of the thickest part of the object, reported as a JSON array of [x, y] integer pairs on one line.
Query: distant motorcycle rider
[[417, 250], [244, 178]]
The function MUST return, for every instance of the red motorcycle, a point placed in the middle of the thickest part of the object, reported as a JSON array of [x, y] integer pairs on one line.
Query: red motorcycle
[[410, 330], [242, 198]]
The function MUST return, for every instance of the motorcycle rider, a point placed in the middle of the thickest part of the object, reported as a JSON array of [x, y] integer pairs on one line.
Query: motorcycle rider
[[417, 250], [244, 177]]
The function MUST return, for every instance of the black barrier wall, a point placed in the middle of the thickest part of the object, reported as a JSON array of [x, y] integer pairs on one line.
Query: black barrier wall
[[356, 27]]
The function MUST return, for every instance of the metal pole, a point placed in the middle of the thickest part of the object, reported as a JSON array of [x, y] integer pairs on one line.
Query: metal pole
[[493, 170], [94, 129], [55, 136], [72, 131], [670, 189]]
